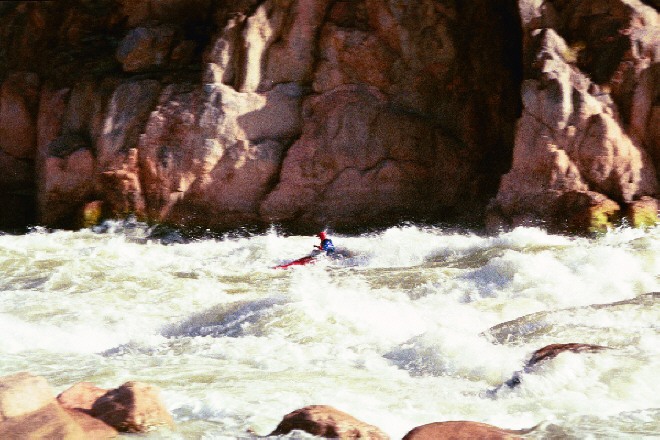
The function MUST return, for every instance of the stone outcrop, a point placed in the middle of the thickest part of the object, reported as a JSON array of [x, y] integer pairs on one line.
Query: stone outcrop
[[334, 113], [18, 101], [585, 143], [28, 409], [326, 421], [643, 212], [250, 112], [361, 166]]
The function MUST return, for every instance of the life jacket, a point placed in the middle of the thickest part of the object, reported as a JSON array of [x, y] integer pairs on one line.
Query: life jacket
[[327, 246]]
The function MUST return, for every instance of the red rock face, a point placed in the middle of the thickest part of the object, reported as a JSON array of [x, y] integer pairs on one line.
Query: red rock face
[[587, 107], [356, 160], [318, 113], [19, 97]]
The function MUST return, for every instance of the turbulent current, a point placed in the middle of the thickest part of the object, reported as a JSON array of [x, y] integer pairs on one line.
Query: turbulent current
[[414, 325]]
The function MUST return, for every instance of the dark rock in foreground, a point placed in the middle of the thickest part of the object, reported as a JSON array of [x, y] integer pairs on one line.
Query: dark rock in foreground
[[29, 410], [326, 421], [462, 430]]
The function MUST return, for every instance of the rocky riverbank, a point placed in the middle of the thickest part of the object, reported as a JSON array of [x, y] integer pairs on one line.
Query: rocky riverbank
[[329, 113], [29, 409]]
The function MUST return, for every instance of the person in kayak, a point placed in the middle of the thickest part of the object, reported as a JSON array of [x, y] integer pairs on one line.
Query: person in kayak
[[326, 244]]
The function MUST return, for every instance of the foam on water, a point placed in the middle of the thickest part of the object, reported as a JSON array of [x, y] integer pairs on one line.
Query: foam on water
[[415, 326]]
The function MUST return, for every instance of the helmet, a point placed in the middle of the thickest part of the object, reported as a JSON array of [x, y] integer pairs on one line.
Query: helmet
[[322, 235]]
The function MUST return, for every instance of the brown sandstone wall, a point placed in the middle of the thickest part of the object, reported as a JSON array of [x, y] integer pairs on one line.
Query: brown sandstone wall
[[323, 112], [586, 144]]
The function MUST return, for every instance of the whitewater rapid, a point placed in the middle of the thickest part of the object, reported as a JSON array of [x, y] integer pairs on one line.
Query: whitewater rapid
[[416, 325]]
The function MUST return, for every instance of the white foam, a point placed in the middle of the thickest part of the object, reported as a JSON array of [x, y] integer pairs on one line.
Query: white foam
[[397, 337], [30, 336]]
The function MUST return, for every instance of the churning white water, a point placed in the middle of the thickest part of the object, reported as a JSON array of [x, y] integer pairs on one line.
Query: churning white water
[[416, 325]]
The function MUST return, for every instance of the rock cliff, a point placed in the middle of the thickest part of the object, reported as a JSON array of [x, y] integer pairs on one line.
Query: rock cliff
[[586, 144], [332, 113]]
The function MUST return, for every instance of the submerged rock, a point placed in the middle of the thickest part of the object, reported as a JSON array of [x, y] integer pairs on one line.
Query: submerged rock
[[552, 350], [543, 354]]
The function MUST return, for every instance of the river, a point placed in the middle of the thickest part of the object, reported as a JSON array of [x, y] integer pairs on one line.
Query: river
[[416, 325]]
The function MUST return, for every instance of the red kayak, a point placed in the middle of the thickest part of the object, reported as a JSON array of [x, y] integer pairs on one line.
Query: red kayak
[[310, 259]]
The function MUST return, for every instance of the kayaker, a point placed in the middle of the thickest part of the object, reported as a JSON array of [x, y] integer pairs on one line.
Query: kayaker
[[326, 244]]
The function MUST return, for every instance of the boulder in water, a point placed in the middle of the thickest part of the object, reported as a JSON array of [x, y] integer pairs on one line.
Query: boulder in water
[[552, 350], [50, 421], [462, 430], [28, 410], [326, 421], [549, 352], [81, 396], [643, 212], [93, 428], [133, 407], [22, 394]]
